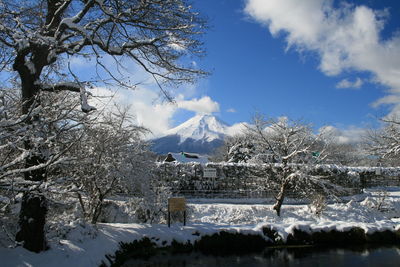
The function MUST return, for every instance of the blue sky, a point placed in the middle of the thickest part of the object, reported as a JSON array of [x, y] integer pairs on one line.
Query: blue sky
[[327, 62], [253, 70]]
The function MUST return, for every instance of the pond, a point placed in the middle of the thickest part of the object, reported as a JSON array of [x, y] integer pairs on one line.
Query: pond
[[299, 256]]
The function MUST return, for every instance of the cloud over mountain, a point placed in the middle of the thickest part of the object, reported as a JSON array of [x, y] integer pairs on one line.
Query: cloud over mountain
[[204, 105]]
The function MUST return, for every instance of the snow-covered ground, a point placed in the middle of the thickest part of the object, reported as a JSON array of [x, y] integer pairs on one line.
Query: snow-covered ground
[[86, 245]]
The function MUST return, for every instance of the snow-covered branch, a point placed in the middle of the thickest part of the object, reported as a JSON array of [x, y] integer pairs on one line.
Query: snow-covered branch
[[384, 143], [64, 86]]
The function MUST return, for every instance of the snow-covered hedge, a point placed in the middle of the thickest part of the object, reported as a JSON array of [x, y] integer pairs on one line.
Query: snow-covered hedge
[[240, 177]]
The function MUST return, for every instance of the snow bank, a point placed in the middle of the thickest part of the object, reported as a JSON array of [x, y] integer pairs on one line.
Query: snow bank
[[83, 250], [91, 251], [86, 245]]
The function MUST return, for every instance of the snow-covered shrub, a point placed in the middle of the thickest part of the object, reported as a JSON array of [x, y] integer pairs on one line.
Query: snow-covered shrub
[[63, 216], [152, 207], [353, 178], [70, 228], [241, 152], [9, 210], [382, 200], [318, 204], [122, 210]]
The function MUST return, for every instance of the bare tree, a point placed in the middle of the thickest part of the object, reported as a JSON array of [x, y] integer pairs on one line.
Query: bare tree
[[292, 144], [238, 148], [342, 152], [38, 37], [345, 154], [384, 143], [110, 157]]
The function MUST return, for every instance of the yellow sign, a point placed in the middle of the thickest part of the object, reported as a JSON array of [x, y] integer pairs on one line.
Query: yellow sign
[[176, 204]]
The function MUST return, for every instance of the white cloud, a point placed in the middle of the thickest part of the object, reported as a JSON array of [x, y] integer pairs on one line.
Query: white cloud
[[348, 84], [394, 113], [231, 110], [80, 62], [147, 107], [237, 128], [351, 134], [390, 99], [144, 105], [346, 38], [204, 105]]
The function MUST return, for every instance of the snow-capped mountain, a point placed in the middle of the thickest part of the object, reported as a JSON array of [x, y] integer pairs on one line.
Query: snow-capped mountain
[[201, 134], [200, 127]]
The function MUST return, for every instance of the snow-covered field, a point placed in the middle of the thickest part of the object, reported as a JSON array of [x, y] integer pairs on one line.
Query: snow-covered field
[[86, 245]]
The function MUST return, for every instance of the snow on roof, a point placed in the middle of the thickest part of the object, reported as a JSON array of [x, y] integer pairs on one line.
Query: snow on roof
[[184, 157]]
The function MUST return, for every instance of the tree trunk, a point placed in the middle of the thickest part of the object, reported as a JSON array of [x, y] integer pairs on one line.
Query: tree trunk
[[280, 198], [29, 98], [32, 218], [97, 209]]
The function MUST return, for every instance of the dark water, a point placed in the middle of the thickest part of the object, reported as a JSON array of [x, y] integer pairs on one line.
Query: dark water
[[313, 257]]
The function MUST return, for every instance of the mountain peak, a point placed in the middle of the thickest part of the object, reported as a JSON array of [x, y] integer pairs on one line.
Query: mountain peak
[[204, 127], [201, 134]]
